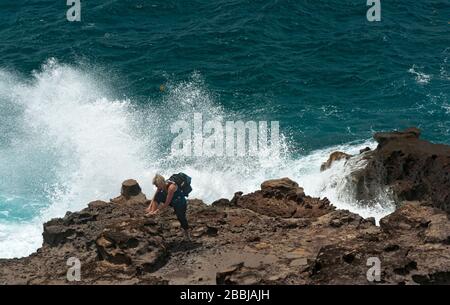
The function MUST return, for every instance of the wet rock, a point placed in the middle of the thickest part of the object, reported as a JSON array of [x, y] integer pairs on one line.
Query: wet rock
[[371, 220], [366, 149], [335, 156], [411, 168], [407, 134]]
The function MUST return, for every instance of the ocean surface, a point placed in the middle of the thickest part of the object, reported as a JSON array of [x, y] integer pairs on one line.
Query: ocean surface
[[85, 105]]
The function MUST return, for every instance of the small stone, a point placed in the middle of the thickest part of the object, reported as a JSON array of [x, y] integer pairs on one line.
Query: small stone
[[297, 253], [103, 242], [336, 223], [262, 245], [175, 224], [299, 262]]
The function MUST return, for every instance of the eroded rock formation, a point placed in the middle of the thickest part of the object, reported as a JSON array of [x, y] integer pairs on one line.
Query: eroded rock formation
[[411, 168], [276, 235]]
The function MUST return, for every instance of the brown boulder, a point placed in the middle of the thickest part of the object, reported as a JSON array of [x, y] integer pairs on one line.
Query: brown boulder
[[283, 185], [130, 188], [284, 198], [335, 156], [131, 193]]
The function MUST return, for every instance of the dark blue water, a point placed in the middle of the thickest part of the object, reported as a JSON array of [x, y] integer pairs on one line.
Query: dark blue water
[[319, 67]]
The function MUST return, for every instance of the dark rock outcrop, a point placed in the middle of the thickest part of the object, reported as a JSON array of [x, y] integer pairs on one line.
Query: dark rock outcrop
[[412, 169], [248, 243], [276, 235]]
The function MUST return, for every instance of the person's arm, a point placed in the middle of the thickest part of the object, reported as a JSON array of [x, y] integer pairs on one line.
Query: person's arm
[[153, 202], [170, 191]]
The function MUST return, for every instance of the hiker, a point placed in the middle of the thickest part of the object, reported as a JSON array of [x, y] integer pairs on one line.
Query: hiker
[[172, 192]]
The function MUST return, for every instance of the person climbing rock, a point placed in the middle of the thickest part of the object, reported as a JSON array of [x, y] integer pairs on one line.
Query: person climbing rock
[[172, 192]]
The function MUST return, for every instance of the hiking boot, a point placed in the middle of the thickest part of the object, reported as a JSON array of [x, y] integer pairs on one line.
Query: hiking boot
[[187, 235]]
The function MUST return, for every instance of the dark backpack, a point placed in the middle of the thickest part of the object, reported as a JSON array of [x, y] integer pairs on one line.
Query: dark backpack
[[183, 182]]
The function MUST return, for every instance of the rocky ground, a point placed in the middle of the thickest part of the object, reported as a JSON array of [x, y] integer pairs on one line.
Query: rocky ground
[[276, 235]]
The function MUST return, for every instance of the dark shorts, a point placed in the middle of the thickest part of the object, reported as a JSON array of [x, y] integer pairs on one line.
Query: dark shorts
[[179, 204]]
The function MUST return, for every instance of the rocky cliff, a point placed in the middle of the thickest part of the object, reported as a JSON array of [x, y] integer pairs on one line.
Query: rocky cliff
[[276, 235]]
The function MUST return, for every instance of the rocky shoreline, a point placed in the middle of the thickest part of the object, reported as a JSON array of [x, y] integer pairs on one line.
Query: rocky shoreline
[[275, 235]]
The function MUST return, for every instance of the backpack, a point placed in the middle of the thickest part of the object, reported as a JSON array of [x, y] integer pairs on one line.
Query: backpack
[[183, 182]]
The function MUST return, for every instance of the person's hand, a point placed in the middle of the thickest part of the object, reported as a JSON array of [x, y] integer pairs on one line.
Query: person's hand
[[152, 213]]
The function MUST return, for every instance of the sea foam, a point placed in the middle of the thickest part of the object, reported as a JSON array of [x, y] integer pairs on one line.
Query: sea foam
[[69, 141]]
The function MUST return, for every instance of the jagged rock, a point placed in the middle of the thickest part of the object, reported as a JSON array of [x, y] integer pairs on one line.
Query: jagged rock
[[128, 246], [120, 245], [282, 185], [411, 168], [366, 149], [235, 198], [284, 198], [221, 202], [335, 156], [276, 235], [56, 234], [403, 248]]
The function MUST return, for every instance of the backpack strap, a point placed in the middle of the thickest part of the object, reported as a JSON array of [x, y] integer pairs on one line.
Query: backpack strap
[[172, 182]]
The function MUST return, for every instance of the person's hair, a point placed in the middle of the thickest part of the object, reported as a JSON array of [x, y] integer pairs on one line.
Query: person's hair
[[159, 180]]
